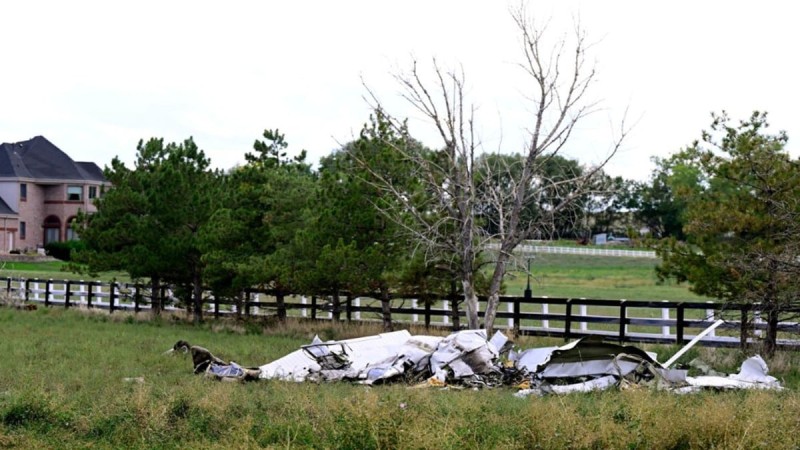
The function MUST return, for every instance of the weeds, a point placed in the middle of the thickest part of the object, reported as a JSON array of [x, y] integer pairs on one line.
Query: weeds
[[67, 389]]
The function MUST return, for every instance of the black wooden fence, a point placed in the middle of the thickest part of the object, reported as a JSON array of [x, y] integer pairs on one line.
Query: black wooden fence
[[622, 320]]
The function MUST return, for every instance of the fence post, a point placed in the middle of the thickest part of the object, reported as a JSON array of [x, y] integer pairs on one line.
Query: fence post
[[112, 295], [510, 310], [710, 316], [81, 296], [90, 295], [348, 310], [679, 324], [518, 309], [247, 302], [568, 319], [357, 307], [313, 307], [665, 316], [414, 315], [136, 298], [545, 310], [582, 312], [446, 308], [427, 312], [47, 292], [304, 311], [27, 289], [67, 287], [757, 320], [622, 320]]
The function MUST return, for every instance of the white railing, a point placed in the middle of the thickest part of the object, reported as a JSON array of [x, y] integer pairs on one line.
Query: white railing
[[525, 248]]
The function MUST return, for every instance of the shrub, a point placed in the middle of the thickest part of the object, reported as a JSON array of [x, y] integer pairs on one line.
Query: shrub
[[63, 250]]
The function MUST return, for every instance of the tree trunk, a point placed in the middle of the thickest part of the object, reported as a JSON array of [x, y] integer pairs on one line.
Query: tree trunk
[[155, 296], [454, 307], [336, 303], [771, 342], [239, 302], [279, 298], [386, 309], [197, 296], [494, 292], [471, 300], [744, 326]]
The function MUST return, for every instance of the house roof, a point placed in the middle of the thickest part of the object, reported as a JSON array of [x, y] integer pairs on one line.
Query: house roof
[[5, 209], [39, 158]]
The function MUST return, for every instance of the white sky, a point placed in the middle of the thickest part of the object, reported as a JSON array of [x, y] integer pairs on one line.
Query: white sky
[[94, 77]]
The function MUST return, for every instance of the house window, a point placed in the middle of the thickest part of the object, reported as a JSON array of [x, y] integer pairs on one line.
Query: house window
[[74, 193], [22, 230], [52, 229], [71, 235], [23, 191], [92, 192]]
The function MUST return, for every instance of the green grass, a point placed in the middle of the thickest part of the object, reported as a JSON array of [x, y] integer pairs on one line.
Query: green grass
[[57, 270], [64, 384], [608, 277], [553, 275]]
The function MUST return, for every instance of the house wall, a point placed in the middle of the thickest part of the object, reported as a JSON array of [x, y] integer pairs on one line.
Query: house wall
[[50, 200], [8, 233]]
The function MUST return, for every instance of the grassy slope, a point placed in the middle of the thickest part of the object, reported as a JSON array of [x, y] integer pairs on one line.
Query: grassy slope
[[63, 385]]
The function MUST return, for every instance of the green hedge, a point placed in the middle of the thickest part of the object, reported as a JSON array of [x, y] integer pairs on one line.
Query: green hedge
[[63, 250]]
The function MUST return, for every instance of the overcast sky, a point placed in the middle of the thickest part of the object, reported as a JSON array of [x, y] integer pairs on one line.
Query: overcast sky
[[95, 77]]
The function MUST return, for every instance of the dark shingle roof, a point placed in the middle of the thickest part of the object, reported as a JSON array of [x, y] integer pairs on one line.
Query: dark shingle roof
[[39, 158]]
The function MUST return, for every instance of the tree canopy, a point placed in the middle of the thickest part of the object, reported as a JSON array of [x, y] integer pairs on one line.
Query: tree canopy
[[740, 220]]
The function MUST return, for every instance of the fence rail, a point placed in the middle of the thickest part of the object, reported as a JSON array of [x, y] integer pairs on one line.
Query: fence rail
[[623, 320], [527, 249]]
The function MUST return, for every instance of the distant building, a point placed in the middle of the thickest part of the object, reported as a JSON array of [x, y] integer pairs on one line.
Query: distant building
[[41, 191]]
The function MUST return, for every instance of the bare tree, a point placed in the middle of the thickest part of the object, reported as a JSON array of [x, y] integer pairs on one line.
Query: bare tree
[[446, 225]]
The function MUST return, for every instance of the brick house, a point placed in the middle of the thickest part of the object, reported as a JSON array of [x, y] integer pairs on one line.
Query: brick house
[[41, 191]]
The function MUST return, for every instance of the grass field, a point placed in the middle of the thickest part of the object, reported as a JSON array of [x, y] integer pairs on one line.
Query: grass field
[[553, 275], [56, 270], [76, 379], [558, 275]]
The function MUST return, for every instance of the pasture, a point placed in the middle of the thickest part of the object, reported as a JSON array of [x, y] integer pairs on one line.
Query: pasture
[[81, 379]]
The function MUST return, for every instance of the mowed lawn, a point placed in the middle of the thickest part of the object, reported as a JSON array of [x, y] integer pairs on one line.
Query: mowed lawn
[[605, 277], [77, 379]]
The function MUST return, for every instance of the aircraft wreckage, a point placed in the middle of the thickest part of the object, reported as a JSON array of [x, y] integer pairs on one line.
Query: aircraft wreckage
[[469, 358]]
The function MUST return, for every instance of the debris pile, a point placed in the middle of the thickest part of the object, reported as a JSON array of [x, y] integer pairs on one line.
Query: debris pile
[[211, 366], [469, 358]]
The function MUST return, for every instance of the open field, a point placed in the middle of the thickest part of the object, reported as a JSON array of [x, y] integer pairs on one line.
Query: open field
[[52, 269], [77, 379], [552, 275], [587, 276]]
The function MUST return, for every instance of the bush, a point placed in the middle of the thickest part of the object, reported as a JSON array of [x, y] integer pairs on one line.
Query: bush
[[63, 250]]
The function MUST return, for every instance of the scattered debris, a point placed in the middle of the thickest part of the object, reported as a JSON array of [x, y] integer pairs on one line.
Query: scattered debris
[[205, 362], [469, 359]]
